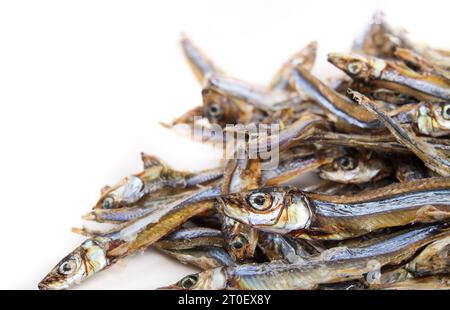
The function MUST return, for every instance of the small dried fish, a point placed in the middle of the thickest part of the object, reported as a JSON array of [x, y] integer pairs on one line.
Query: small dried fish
[[100, 252], [201, 247], [355, 169], [389, 75], [340, 266], [155, 177], [433, 158], [336, 186], [314, 216]]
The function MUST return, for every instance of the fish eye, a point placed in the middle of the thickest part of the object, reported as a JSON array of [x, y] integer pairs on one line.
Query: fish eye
[[239, 242], [215, 110], [189, 281], [446, 112], [260, 201], [354, 67], [68, 267], [347, 163], [107, 203]]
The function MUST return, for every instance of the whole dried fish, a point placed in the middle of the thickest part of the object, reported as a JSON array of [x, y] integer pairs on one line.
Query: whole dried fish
[[392, 76], [100, 252], [155, 177], [316, 216], [340, 185], [338, 267], [433, 158]]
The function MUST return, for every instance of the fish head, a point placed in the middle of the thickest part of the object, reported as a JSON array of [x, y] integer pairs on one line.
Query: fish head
[[241, 240], [356, 66], [127, 191], [212, 279], [269, 209], [354, 169], [80, 264], [433, 119], [219, 109]]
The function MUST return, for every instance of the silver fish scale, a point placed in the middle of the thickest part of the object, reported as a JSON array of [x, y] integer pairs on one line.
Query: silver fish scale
[[403, 201]]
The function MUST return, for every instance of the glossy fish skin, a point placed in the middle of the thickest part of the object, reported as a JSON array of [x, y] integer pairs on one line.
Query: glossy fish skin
[[188, 238], [154, 177], [310, 274], [200, 64], [109, 248], [198, 246], [292, 168], [203, 257], [432, 157], [305, 58], [355, 169], [240, 174], [391, 76], [314, 216], [370, 142], [227, 100], [126, 214], [128, 191], [339, 106], [280, 248], [89, 258]]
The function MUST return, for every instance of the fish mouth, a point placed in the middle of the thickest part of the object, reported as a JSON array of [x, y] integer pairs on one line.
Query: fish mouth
[[335, 59]]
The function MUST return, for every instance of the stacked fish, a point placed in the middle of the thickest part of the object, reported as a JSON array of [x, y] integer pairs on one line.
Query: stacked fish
[[360, 197]]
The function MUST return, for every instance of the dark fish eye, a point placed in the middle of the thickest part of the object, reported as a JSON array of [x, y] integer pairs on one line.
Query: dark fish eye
[[239, 242], [189, 281], [260, 201], [446, 112], [354, 67], [347, 163], [107, 203], [67, 267], [215, 110]]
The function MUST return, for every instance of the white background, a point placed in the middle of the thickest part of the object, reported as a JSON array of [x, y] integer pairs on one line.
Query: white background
[[84, 83]]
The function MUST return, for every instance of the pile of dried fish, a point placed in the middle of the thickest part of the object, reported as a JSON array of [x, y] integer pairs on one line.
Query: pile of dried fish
[[360, 197]]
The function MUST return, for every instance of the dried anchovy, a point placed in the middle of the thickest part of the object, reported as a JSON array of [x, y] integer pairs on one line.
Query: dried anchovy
[[360, 198]]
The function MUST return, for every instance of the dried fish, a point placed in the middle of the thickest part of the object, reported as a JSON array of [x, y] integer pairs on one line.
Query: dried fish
[[155, 177], [433, 158], [389, 75], [201, 247], [338, 267], [100, 252], [300, 214], [355, 169], [335, 186]]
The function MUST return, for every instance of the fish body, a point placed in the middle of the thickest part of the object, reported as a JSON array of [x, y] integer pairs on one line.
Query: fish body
[[308, 275], [314, 216]]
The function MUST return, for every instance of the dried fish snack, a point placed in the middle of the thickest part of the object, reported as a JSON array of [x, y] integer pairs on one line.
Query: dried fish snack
[[347, 189]]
